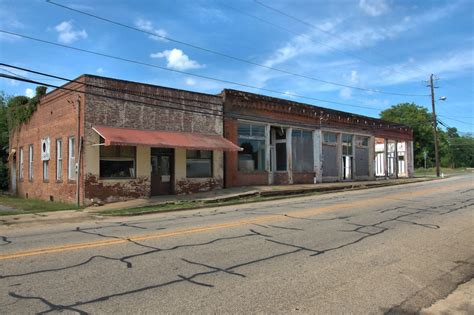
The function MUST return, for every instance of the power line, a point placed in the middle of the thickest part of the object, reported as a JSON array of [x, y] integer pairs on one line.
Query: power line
[[379, 125], [312, 40], [221, 54], [457, 120], [184, 72], [301, 21], [105, 96], [125, 91], [342, 38], [11, 72]]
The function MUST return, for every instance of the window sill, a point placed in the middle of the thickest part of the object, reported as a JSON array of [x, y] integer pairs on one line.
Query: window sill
[[59, 181], [200, 177], [45, 180]]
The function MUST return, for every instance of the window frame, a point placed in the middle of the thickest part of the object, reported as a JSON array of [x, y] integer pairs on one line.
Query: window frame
[[252, 137], [133, 174], [347, 144], [30, 162], [199, 158], [21, 165], [71, 171], [334, 143], [59, 160], [362, 145], [45, 171]]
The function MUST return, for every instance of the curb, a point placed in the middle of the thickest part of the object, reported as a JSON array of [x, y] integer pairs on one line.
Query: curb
[[278, 194]]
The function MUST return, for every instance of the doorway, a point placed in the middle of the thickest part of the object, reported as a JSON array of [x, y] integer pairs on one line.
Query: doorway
[[347, 154], [162, 171]]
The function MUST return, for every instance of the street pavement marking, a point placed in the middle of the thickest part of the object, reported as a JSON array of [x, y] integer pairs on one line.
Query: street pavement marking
[[268, 218]]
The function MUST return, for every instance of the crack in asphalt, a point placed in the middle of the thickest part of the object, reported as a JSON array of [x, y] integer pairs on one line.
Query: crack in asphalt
[[364, 229]]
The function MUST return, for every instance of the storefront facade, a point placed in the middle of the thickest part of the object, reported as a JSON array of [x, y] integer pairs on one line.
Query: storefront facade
[[285, 142], [100, 140], [122, 140]]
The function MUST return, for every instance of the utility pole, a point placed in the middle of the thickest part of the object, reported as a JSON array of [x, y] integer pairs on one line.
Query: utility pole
[[435, 124]]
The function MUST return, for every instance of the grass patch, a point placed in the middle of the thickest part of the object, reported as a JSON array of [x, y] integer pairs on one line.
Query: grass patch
[[189, 205], [22, 205], [445, 170]]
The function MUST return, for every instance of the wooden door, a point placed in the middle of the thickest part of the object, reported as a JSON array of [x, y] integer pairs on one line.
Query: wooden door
[[161, 174]]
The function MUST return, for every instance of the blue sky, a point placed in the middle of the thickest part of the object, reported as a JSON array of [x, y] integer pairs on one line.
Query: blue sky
[[382, 45]]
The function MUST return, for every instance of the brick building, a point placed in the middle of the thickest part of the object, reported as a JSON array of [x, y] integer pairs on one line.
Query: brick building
[[102, 139], [287, 142], [108, 140]]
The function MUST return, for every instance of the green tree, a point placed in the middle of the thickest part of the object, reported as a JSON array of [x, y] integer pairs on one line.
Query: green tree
[[454, 150], [4, 140], [14, 111], [419, 119], [460, 149]]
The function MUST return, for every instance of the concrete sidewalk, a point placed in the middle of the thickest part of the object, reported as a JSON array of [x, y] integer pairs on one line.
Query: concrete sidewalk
[[252, 191]]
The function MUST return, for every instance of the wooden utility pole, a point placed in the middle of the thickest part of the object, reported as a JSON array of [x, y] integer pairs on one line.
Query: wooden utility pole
[[435, 124]]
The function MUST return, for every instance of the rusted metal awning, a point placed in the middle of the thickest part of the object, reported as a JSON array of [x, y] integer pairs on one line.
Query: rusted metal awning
[[164, 139]]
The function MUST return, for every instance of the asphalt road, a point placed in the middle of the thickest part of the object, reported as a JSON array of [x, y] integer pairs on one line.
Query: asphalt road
[[384, 250]]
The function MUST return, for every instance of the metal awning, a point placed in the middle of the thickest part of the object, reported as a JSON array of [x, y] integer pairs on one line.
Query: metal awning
[[164, 139]]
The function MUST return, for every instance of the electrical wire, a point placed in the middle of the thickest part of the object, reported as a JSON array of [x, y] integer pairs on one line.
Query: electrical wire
[[324, 116], [313, 41], [342, 38], [125, 91], [186, 73], [221, 54]]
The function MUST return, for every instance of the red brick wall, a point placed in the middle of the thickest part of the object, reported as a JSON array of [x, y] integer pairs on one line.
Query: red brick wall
[[303, 178], [281, 178], [234, 178], [55, 117]]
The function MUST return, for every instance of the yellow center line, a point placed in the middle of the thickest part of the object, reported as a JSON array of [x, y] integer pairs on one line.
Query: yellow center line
[[267, 218]]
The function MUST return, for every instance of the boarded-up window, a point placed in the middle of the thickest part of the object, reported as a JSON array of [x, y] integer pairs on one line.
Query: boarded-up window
[[362, 161], [302, 151], [330, 167]]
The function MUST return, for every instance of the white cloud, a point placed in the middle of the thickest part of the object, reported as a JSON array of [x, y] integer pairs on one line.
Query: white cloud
[[29, 92], [190, 81], [289, 94], [449, 64], [374, 7], [67, 34], [99, 70], [310, 50], [146, 25], [177, 60]]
